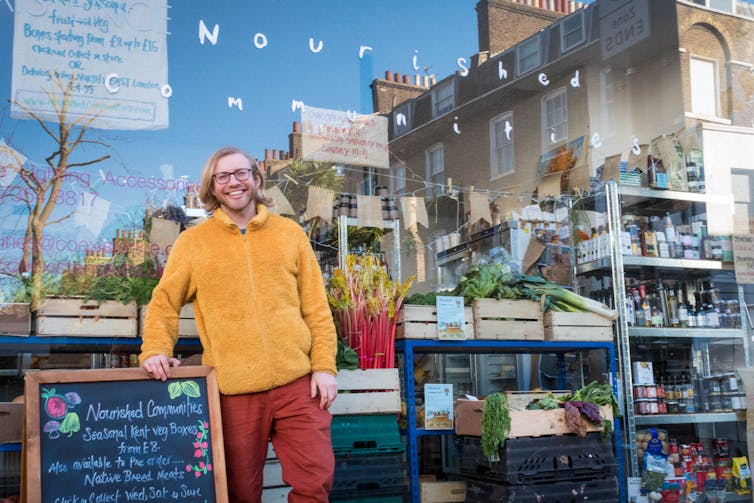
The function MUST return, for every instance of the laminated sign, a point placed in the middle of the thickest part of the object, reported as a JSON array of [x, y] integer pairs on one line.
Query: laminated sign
[[115, 54]]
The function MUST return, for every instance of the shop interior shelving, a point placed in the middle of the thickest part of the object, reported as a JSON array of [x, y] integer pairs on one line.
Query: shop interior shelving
[[623, 199], [408, 349]]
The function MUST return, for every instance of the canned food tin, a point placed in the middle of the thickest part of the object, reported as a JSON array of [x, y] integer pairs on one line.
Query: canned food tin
[[651, 391], [640, 391]]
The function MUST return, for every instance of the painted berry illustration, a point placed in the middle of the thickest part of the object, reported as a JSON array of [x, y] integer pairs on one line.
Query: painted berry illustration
[[58, 409], [55, 406]]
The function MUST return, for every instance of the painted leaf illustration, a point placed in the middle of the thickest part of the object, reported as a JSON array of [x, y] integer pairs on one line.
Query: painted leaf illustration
[[175, 390], [190, 388], [70, 424]]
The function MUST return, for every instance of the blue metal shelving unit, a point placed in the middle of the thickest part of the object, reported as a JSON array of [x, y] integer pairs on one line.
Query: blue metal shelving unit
[[409, 347]]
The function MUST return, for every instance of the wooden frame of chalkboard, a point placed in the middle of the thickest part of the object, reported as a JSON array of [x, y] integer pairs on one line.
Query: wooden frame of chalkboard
[[117, 435]]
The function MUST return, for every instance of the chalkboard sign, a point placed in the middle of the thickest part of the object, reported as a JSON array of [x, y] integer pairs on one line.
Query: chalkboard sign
[[116, 435]]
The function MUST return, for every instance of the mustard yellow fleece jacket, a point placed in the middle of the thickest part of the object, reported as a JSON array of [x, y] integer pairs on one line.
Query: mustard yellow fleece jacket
[[259, 301]]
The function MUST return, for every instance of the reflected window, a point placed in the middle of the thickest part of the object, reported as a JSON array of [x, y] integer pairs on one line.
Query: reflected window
[[704, 88], [527, 54], [398, 179], [435, 169], [554, 118], [443, 98], [369, 182], [723, 5], [402, 119], [572, 31], [501, 145]]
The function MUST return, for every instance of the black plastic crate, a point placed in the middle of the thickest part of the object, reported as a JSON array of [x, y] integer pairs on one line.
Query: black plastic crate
[[369, 476], [604, 490], [530, 460]]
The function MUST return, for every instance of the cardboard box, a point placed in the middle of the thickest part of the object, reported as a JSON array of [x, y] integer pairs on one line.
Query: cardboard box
[[11, 422], [443, 492], [524, 423]]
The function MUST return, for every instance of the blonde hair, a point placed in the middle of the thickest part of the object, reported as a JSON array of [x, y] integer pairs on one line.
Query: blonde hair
[[209, 202]]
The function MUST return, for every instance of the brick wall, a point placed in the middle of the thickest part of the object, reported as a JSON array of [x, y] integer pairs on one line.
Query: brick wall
[[503, 23]]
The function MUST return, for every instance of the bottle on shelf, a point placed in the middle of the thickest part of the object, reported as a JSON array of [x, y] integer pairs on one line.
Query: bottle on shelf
[[645, 307], [673, 309], [658, 177], [662, 302], [639, 319], [683, 314]]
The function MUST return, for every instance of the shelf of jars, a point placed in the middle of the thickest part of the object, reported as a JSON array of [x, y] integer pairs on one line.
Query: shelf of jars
[[696, 418], [703, 334]]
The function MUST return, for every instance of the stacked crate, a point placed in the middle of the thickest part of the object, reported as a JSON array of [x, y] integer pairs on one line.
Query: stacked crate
[[547, 468], [370, 464]]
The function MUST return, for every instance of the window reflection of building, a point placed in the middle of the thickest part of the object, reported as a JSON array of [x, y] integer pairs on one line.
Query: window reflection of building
[[571, 75]]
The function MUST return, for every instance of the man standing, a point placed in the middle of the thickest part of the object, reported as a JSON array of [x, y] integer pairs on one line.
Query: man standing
[[265, 326]]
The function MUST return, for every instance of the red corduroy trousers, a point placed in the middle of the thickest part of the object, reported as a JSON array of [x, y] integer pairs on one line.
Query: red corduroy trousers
[[300, 434]]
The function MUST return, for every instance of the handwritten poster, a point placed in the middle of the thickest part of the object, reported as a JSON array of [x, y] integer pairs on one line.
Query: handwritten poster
[[115, 50], [743, 258], [110, 441], [344, 138]]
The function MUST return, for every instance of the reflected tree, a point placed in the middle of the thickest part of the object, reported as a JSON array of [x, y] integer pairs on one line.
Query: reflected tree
[[40, 191]]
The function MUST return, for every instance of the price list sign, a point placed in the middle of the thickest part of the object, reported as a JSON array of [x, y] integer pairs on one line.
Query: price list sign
[[115, 435], [743, 258]]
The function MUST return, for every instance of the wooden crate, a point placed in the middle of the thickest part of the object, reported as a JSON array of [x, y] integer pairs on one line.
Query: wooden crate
[[508, 320], [577, 327], [186, 322], [518, 400], [79, 318], [420, 322], [11, 422], [524, 423], [15, 319], [443, 492], [374, 391]]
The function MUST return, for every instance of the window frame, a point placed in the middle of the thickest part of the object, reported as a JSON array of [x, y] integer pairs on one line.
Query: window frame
[[582, 28], [547, 145], [716, 84], [398, 178], [520, 56], [435, 188], [406, 109], [436, 101], [494, 159]]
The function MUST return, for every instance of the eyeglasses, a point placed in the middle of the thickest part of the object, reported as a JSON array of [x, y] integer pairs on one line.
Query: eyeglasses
[[223, 177]]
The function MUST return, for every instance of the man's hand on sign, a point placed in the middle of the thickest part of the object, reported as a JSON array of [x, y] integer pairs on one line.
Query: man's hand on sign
[[158, 366]]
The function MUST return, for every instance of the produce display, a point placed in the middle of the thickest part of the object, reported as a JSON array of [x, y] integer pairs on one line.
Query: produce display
[[497, 281], [580, 406], [365, 302]]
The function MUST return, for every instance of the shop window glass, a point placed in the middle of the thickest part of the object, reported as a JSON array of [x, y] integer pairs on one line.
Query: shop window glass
[[554, 118], [435, 169], [443, 99], [501, 145]]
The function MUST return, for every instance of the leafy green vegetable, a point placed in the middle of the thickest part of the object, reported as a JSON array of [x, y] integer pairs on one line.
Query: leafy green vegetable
[[496, 281], [496, 424], [346, 358], [426, 299], [547, 403]]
